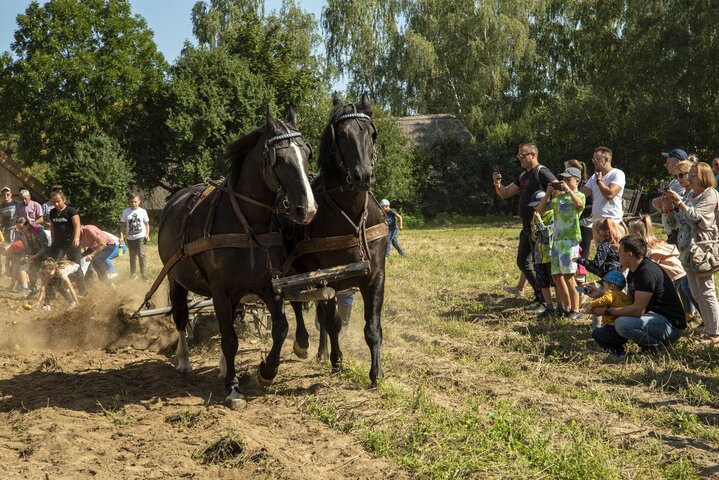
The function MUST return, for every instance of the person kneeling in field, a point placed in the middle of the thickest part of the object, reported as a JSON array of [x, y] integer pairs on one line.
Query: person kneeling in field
[[609, 295], [59, 276]]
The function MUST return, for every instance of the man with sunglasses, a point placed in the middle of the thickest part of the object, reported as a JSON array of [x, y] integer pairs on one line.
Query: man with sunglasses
[[8, 218], [534, 177], [670, 163]]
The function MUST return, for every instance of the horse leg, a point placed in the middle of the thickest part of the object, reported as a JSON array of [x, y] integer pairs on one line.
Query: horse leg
[[180, 315], [225, 312], [302, 337], [373, 300], [322, 349], [332, 324], [239, 312], [269, 367]]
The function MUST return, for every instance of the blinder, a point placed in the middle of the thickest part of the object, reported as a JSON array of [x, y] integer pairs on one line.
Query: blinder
[[335, 150], [268, 170]]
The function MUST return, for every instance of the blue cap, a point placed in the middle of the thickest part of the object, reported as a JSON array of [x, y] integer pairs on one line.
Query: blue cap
[[384, 202], [616, 278], [676, 153], [537, 197]]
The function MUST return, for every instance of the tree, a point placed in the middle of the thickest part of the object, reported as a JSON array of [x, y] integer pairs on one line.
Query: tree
[[394, 169], [78, 67], [213, 97], [97, 177]]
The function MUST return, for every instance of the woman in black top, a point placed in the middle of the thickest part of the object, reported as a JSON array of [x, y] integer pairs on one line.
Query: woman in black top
[[65, 229]]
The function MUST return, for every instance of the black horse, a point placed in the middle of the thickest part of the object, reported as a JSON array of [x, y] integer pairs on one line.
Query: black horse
[[223, 242], [349, 227]]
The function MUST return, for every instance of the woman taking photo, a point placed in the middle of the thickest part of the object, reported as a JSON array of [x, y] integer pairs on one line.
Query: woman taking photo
[[696, 219]]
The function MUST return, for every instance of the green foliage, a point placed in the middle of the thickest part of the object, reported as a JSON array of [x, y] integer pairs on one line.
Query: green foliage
[[213, 97], [97, 177], [394, 168], [78, 66]]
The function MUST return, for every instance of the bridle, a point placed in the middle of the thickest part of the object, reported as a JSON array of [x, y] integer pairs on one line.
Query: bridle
[[335, 152], [270, 156]]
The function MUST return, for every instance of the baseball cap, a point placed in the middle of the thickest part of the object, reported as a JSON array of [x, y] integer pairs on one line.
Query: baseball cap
[[5, 188], [676, 153], [616, 278], [384, 202], [571, 172], [536, 198]]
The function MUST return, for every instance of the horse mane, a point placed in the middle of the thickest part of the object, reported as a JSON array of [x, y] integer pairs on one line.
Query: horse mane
[[325, 160], [236, 151]]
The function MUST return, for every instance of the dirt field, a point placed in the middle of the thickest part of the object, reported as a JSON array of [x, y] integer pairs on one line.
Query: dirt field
[[473, 389]]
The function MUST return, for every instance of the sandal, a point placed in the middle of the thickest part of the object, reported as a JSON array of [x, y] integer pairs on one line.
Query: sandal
[[708, 340]]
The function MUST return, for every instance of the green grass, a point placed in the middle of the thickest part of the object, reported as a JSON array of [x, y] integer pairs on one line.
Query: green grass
[[489, 392]]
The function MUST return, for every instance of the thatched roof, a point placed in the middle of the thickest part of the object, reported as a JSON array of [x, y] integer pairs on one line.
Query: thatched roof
[[423, 129], [11, 175]]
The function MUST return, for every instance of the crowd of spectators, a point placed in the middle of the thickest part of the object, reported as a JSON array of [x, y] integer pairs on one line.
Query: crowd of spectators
[[648, 289], [48, 250]]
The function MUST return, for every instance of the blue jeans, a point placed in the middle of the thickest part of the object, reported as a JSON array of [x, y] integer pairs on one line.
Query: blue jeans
[[393, 241], [651, 330], [108, 261], [101, 261], [685, 294]]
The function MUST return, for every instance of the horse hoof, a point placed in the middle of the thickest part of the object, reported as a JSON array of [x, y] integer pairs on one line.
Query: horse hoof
[[266, 375], [322, 357], [299, 351], [336, 368], [184, 368], [235, 400]]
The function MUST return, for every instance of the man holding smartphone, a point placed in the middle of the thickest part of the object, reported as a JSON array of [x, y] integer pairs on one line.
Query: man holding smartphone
[[534, 177], [606, 186]]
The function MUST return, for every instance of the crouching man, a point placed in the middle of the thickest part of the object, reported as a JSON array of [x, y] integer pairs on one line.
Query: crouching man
[[655, 318]]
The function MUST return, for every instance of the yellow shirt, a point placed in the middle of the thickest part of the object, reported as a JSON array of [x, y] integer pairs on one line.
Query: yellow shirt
[[611, 298]]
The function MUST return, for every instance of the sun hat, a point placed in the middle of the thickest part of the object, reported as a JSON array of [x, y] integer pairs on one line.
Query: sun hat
[[571, 172], [676, 153], [536, 198], [615, 277], [6, 188], [384, 202]]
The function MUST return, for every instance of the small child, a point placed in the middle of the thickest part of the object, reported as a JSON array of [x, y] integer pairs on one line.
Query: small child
[[606, 237], [135, 227], [394, 228], [567, 204], [59, 276], [610, 296], [541, 228]]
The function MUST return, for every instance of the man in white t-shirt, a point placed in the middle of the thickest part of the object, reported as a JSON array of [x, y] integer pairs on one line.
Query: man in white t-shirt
[[135, 228], [606, 186]]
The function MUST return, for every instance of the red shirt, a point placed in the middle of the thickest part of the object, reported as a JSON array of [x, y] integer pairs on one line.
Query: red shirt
[[89, 235]]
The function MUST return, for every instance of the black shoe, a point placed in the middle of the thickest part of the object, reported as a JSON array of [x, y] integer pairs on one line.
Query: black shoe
[[536, 307], [548, 312]]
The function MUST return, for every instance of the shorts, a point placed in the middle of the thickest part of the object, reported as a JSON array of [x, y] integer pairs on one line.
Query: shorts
[[543, 273], [563, 251]]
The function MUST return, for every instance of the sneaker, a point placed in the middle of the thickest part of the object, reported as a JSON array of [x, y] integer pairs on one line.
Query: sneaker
[[616, 357], [547, 313], [513, 290], [112, 275], [133, 276], [574, 315], [535, 307]]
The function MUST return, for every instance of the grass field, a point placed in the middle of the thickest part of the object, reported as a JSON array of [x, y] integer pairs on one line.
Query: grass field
[[476, 388]]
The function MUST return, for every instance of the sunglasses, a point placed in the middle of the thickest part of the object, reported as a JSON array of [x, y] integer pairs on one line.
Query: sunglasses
[[522, 155], [681, 175]]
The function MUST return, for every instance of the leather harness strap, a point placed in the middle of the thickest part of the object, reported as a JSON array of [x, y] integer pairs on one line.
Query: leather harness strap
[[329, 244], [218, 240]]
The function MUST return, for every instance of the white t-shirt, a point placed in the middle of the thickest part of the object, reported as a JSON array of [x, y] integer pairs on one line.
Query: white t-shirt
[[601, 207], [135, 223]]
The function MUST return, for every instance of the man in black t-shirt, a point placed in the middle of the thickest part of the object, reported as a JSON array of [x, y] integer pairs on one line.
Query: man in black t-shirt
[[656, 316], [534, 177]]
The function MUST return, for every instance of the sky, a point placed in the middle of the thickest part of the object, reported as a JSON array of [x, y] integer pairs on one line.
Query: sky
[[168, 19]]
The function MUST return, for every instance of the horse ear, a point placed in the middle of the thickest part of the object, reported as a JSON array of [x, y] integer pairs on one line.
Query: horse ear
[[365, 100], [291, 115], [336, 99], [268, 118]]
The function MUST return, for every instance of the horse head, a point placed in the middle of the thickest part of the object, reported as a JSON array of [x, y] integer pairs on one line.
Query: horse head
[[347, 147], [286, 166]]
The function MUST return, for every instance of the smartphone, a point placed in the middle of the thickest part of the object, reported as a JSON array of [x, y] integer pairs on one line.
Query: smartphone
[[495, 169], [556, 185], [663, 186], [581, 289]]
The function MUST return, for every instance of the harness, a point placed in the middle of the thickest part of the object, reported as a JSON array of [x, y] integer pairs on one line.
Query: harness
[[362, 235], [250, 239]]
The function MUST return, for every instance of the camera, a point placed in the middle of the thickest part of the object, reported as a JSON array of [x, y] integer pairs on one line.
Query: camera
[[495, 169], [556, 185]]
